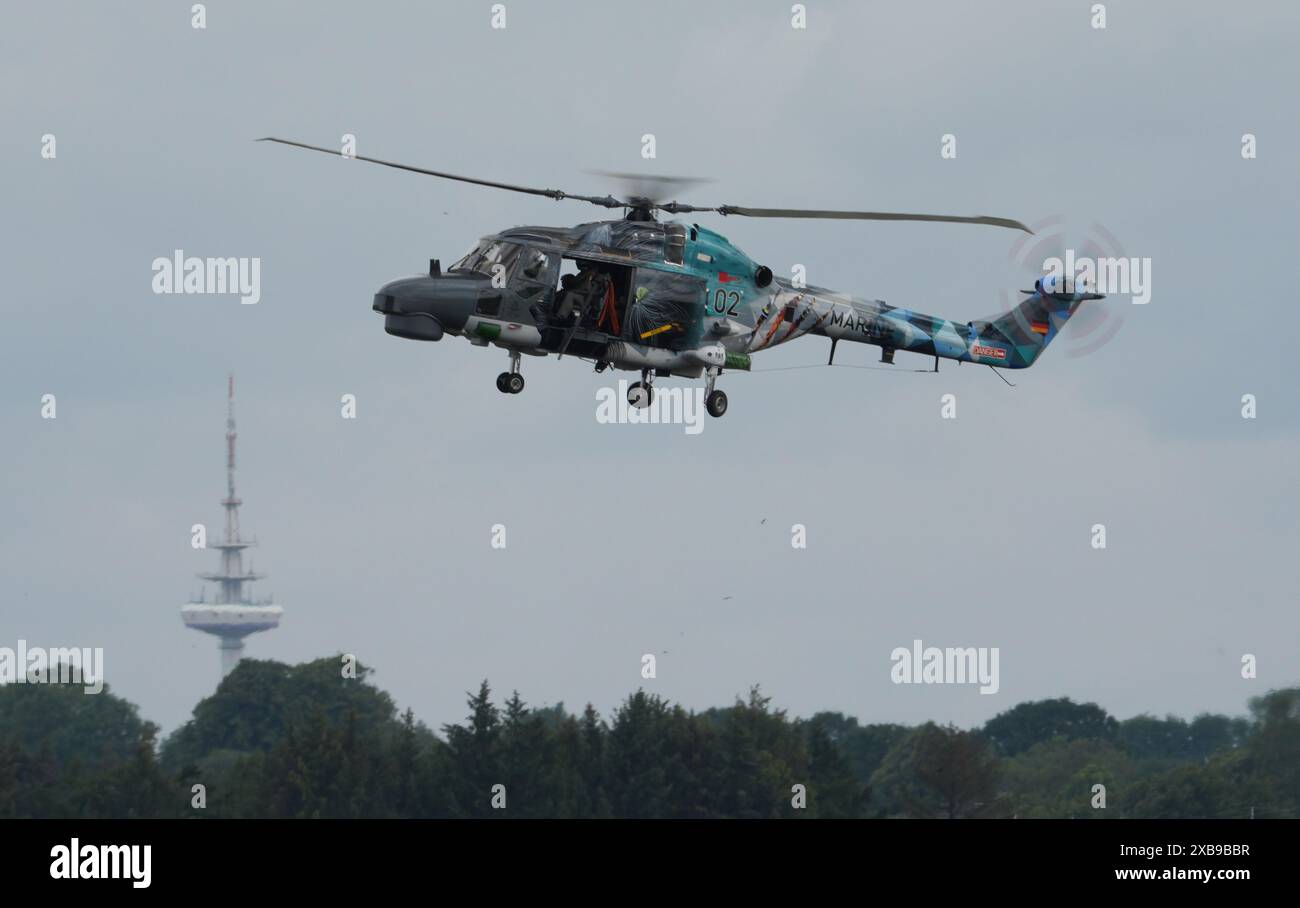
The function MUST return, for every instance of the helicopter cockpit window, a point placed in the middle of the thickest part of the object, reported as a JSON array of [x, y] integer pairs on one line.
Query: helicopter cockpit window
[[532, 265], [484, 258], [469, 259], [533, 274]]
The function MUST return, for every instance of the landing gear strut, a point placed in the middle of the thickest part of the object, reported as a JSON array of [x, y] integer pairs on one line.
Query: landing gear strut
[[641, 393], [511, 382], [714, 401]]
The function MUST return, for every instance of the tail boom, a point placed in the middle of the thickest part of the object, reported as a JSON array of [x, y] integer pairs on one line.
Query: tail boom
[[1009, 340]]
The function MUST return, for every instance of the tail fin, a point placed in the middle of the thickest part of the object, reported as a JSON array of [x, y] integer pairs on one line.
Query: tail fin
[[1030, 327]]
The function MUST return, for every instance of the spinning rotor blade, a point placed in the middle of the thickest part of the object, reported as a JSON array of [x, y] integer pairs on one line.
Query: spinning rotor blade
[[849, 215], [606, 202], [650, 189]]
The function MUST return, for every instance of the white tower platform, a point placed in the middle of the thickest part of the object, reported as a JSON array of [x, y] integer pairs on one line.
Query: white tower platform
[[232, 623]]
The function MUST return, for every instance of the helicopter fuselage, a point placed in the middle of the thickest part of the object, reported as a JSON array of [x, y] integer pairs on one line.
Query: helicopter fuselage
[[685, 301]]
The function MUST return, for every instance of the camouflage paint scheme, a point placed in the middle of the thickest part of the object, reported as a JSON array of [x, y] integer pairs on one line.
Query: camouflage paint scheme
[[733, 303], [783, 312]]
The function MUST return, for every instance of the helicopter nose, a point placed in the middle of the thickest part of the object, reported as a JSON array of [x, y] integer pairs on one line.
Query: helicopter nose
[[422, 308]]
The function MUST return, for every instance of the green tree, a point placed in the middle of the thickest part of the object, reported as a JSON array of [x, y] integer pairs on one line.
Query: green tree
[[66, 753], [1190, 791], [759, 755], [1055, 779], [527, 757], [1274, 753], [834, 789], [939, 771], [254, 705], [864, 746], [67, 724], [1212, 734], [475, 757], [1027, 724], [591, 769], [652, 761]]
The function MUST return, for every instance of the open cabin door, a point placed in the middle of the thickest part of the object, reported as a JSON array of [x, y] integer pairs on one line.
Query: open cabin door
[[588, 308]]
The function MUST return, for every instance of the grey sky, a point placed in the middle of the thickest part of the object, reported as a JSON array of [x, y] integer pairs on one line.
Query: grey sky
[[623, 540]]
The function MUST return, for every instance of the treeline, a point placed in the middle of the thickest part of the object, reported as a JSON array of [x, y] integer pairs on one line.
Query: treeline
[[302, 741]]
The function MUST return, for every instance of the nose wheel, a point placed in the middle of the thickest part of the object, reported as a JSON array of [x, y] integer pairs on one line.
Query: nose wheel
[[511, 382]]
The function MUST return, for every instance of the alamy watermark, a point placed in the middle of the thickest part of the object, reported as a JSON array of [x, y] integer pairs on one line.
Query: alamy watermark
[[1089, 258], [1105, 274], [951, 665], [674, 406], [53, 665], [191, 274], [75, 861]]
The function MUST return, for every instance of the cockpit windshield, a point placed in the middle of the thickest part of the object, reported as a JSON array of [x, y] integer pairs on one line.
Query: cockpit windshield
[[487, 254]]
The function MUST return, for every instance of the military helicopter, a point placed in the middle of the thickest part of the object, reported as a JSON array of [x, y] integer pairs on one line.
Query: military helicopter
[[667, 298]]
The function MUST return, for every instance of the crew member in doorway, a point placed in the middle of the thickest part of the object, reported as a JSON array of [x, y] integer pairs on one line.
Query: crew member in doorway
[[589, 291], [565, 300]]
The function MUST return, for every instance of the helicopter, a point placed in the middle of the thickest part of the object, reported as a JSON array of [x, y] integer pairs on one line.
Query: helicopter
[[666, 298]]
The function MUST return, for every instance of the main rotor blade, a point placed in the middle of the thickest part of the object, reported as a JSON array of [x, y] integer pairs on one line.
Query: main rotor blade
[[606, 202], [663, 183], [848, 215]]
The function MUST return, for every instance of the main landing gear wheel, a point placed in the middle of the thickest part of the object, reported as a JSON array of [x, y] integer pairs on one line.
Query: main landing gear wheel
[[510, 383], [640, 395], [714, 401]]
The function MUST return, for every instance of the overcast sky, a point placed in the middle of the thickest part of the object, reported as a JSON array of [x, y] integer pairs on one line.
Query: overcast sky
[[624, 540]]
